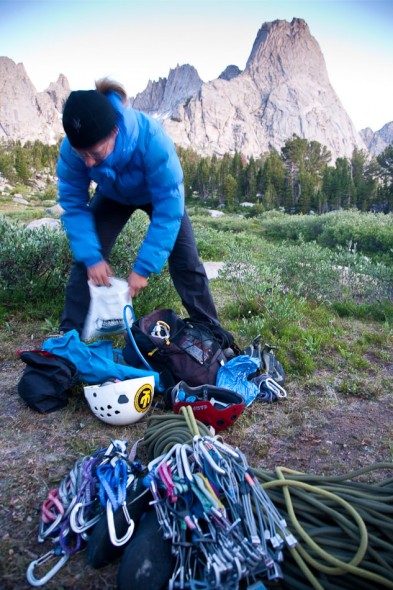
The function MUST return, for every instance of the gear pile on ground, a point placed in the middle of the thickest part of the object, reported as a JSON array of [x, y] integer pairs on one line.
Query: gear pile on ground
[[198, 516]]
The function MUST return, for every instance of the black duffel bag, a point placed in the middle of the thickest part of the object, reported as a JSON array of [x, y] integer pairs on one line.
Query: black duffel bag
[[46, 380], [180, 350]]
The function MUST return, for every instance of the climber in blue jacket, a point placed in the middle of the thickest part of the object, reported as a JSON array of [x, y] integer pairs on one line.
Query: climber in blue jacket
[[135, 166]]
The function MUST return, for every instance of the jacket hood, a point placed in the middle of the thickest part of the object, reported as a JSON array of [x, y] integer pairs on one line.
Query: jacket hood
[[125, 143], [127, 137]]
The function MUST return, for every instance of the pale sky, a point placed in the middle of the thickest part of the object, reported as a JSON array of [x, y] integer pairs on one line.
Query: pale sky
[[134, 41]]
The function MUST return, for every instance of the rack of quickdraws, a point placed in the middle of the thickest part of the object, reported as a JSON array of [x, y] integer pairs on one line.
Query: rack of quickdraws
[[223, 526], [94, 485]]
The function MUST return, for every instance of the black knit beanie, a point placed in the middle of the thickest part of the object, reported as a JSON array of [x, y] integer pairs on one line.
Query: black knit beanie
[[88, 117]]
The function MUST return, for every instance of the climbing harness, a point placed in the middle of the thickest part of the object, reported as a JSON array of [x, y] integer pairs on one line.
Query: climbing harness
[[267, 358], [269, 389]]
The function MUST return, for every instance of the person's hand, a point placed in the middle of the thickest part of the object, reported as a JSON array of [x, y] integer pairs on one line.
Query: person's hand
[[99, 274], [136, 283]]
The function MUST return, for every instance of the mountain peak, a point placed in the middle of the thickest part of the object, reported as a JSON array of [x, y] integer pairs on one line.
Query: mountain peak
[[278, 27], [285, 50], [25, 113], [284, 90], [164, 96], [378, 141], [230, 72]]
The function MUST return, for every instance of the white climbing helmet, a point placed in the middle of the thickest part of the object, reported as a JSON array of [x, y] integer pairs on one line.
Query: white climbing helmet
[[121, 402]]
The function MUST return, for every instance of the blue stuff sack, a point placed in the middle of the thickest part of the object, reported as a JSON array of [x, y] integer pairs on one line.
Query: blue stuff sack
[[234, 376]]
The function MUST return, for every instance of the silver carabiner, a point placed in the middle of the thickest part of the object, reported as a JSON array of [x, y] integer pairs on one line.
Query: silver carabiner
[[155, 463], [30, 576], [45, 532], [185, 463], [111, 525], [276, 388], [222, 446], [198, 441], [79, 526]]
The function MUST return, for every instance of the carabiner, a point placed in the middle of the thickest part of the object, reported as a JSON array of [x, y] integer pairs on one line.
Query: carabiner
[[45, 532], [276, 388], [33, 581], [222, 446], [165, 474], [155, 463], [52, 501], [184, 460], [78, 525], [111, 525], [161, 330], [198, 442]]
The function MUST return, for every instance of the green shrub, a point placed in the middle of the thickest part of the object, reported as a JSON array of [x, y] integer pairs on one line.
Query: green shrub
[[21, 189], [33, 263], [228, 223], [50, 193], [258, 289], [379, 312], [319, 274], [369, 233]]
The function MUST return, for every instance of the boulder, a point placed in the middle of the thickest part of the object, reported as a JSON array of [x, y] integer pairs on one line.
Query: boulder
[[44, 222]]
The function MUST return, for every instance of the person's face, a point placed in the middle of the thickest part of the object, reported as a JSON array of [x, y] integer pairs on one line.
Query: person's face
[[99, 151]]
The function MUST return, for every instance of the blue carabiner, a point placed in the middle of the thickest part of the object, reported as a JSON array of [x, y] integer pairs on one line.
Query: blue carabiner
[[30, 576]]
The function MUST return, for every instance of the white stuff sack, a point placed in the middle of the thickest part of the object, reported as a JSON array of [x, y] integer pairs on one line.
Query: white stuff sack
[[106, 311]]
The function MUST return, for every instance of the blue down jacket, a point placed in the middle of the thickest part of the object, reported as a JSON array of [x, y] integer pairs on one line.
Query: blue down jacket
[[143, 168]]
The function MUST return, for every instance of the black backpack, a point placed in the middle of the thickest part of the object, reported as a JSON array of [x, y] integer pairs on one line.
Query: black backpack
[[46, 380], [180, 350]]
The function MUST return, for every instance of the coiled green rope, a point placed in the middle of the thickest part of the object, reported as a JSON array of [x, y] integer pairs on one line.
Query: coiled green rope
[[356, 550], [344, 528], [163, 431]]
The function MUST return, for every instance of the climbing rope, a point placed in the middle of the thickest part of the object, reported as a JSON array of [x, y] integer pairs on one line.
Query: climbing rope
[[336, 552], [344, 527], [227, 521], [163, 431]]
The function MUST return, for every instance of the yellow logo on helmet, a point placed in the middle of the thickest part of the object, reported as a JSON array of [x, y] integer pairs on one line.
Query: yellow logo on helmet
[[143, 398]]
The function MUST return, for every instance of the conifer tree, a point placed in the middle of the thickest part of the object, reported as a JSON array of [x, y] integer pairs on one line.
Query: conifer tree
[[230, 189], [22, 167]]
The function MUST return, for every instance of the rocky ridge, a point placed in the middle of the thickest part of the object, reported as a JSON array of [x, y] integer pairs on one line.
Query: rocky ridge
[[376, 142], [164, 96], [283, 90], [26, 114]]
